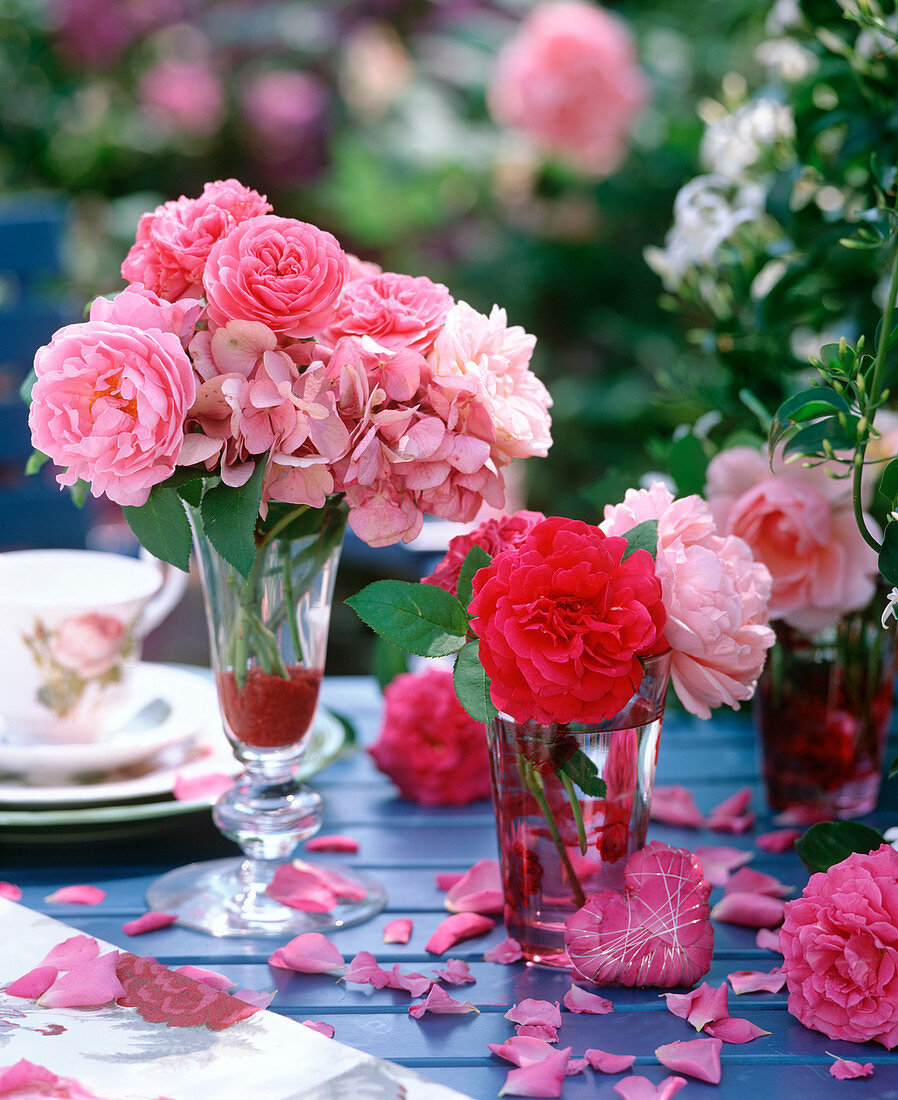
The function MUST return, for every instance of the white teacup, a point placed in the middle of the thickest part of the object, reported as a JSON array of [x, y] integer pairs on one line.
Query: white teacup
[[71, 627]]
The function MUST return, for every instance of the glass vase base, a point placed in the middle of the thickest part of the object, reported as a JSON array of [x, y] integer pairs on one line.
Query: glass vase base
[[214, 898], [794, 805]]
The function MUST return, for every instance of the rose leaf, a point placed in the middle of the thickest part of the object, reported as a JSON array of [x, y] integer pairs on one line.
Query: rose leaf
[[829, 842], [161, 526], [472, 685], [419, 618], [644, 536], [476, 558], [585, 774], [229, 519]]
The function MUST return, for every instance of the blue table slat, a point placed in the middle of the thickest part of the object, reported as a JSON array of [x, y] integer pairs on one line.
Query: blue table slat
[[405, 845]]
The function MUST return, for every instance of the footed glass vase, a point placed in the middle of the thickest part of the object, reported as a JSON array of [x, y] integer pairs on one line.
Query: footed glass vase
[[562, 834], [822, 713], [268, 634]]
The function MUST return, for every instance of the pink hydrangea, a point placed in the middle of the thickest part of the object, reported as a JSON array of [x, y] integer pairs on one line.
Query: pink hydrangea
[[174, 241], [398, 311], [840, 950], [799, 522], [109, 405], [433, 751], [494, 535], [569, 81], [185, 96], [715, 594]]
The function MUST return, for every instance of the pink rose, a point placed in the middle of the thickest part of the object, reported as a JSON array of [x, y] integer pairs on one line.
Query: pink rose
[[568, 80], [109, 405], [285, 273], [186, 96], [840, 950], [428, 745], [141, 308], [89, 644], [397, 311], [799, 523], [493, 535]]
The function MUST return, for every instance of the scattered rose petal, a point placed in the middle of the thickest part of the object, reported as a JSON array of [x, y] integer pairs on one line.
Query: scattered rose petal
[[34, 984], [780, 840], [332, 842], [750, 881], [749, 910], [768, 940], [439, 1001], [543, 1078], [259, 998], [844, 1069], [735, 1030], [455, 972], [719, 861], [398, 931], [10, 892], [655, 933], [757, 981], [71, 952], [308, 953], [89, 983], [605, 1062], [416, 984], [148, 922], [674, 805], [454, 929], [364, 970], [641, 1088], [547, 1033], [530, 1011], [201, 788], [701, 1006], [77, 895], [575, 1065], [699, 1058], [445, 880], [581, 1000], [24, 1075], [327, 1030], [733, 806], [735, 823], [521, 1050], [479, 890], [301, 889], [211, 978], [508, 951], [346, 889]]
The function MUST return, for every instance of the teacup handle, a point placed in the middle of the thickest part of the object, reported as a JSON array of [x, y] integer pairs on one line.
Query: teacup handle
[[173, 585]]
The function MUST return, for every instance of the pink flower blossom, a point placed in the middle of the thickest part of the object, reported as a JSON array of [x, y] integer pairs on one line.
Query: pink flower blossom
[[428, 745], [184, 96], [89, 644], [142, 308], [799, 522], [109, 404], [397, 311], [494, 535], [568, 80], [840, 946]]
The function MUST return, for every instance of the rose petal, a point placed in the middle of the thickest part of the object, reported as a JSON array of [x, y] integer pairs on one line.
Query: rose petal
[[148, 922], [757, 981], [77, 895], [445, 880], [674, 805], [308, 953], [10, 892], [768, 940], [211, 978], [327, 1030], [332, 842], [780, 840], [22, 1073], [546, 1032], [719, 861], [479, 890], [748, 881], [346, 889], [522, 1050], [508, 951], [71, 952], [543, 1078], [735, 1030], [439, 1001], [201, 788], [455, 972], [259, 998], [736, 804], [701, 1006], [581, 1000], [530, 1011], [34, 984], [398, 931], [364, 970], [301, 889], [416, 984], [454, 929], [844, 1069], [698, 1058], [641, 1088], [575, 1065], [605, 1062], [749, 910], [90, 983]]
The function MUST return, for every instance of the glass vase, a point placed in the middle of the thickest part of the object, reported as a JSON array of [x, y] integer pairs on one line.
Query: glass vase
[[268, 637], [561, 835], [822, 712]]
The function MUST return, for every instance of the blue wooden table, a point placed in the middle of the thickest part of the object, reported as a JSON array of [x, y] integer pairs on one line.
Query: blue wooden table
[[404, 846]]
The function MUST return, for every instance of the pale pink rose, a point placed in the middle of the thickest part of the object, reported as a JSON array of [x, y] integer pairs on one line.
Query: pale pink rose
[[186, 96], [109, 405], [89, 644], [799, 523], [142, 308], [568, 79], [174, 240], [397, 311], [840, 950], [284, 273], [493, 535]]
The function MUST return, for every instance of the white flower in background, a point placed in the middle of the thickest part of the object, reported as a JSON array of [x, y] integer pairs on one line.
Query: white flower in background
[[736, 142], [871, 42], [891, 837], [786, 59], [783, 16]]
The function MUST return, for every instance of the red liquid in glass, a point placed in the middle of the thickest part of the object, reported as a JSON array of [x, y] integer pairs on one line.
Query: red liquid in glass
[[269, 711]]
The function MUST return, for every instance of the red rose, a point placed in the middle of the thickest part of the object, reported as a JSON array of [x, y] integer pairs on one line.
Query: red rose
[[494, 535], [563, 621]]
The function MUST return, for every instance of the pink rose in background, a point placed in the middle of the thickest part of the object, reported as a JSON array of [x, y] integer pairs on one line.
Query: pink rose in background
[[840, 950], [285, 273], [568, 80], [97, 33], [397, 311], [493, 535], [799, 522], [428, 745], [89, 644], [109, 405], [186, 96]]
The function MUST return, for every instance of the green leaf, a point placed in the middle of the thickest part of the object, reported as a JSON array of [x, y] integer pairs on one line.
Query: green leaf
[[585, 774], [36, 460], [476, 558], [229, 518], [79, 492], [419, 618], [192, 491], [351, 734], [893, 769], [644, 536], [888, 555], [756, 406], [27, 386], [828, 843], [161, 526], [472, 685], [888, 483], [831, 430], [688, 463], [807, 405], [387, 663]]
